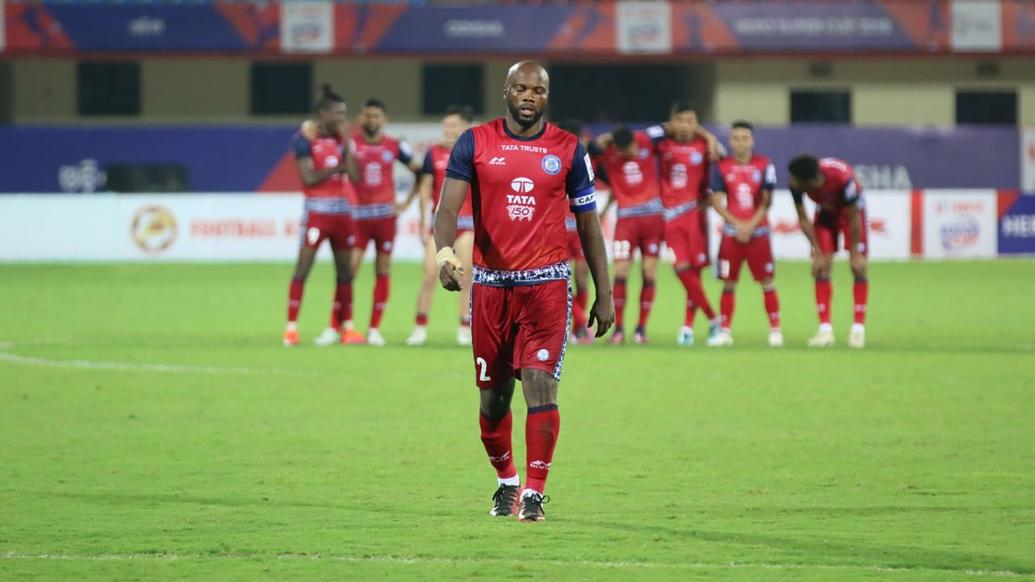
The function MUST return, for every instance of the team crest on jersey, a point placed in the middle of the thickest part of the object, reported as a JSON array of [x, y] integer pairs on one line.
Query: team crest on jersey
[[756, 176], [696, 158], [552, 165], [387, 156]]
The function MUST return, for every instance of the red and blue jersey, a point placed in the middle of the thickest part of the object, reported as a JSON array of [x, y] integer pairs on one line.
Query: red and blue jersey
[[839, 189], [634, 180], [375, 190], [684, 171], [521, 191], [744, 184], [435, 163], [330, 195]]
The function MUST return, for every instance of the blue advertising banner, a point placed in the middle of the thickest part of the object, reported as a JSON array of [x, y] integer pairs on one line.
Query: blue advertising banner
[[1016, 224]]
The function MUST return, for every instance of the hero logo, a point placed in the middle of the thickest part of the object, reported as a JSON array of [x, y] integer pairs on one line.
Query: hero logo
[[961, 233]]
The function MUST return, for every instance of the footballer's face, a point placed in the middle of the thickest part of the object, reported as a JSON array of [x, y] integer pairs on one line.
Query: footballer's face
[[527, 92], [742, 142], [683, 124], [452, 127], [332, 118], [806, 185], [372, 120]]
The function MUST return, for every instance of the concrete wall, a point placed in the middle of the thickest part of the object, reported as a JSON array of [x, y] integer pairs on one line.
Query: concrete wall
[[215, 90]]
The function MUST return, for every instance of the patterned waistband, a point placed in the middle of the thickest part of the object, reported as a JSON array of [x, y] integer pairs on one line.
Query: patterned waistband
[[731, 230], [465, 222], [649, 208], [327, 205], [571, 224], [677, 211], [493, 278], [373, 211]]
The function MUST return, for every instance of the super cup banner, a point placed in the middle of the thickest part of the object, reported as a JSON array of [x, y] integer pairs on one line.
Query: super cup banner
[[959, 224], [644, 27], [307, 27]]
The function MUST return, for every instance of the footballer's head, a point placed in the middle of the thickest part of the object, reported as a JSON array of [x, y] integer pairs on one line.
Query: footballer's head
[[373, 116], [624, 141], [330, 111], [805, 174], [742, 139], [682, 119], [456, 120], [527, 92]]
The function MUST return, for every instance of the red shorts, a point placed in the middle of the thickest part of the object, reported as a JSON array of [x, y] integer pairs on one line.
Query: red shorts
[[575, 246], [513, 328], [379, 230], [687, 237], [339, 229], [830, 229], [638, 232], [758, 252]]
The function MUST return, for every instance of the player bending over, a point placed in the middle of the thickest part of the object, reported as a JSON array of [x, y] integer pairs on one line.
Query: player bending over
[[433, 174], [746, 180], [321, 161], [523, 174], [840, 211]]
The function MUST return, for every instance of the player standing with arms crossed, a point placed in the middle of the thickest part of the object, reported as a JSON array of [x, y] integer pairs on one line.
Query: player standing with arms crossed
[[321, 162], [632, 171], [746, 180], [840, 211], [433, 174], [524, 174], [374, 209]]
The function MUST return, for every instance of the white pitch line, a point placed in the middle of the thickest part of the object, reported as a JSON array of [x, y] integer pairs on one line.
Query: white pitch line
[[504, 562], [80, 364]]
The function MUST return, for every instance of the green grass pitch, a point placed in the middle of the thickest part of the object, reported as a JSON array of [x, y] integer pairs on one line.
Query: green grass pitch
[[151, 426]]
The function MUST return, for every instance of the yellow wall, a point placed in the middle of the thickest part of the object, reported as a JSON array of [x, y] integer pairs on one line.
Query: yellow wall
[[913, 91]]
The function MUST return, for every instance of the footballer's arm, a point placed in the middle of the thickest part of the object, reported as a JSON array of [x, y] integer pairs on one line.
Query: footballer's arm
[[855, 226], [591, 236], [453, 193]]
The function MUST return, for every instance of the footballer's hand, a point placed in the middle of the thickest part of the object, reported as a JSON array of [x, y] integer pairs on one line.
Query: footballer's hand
[[309, 129], [602, 314], [744, 232], [450, 276], [858, 263], [821, 265]]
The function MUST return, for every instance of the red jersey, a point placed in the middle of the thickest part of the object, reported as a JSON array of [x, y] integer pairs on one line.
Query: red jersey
[[839, 189], [435, 162], [330, 194], [521, 189], [634, 180], [743, 185], [684, 170], [375, 191]]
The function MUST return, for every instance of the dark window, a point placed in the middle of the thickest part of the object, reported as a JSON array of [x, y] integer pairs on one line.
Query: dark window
[[6, 88], [281, 88], [445, 85], [814, 106], [620, 93], [987, 107], [108, 88], [147, 177]]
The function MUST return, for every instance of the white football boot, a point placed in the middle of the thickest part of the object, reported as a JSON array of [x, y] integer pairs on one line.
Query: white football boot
[[374, 337], [418, 338], [685, 337], [824, 338], [463, 335], [857, 337], [722, 338], [775, 339], [329, 337]]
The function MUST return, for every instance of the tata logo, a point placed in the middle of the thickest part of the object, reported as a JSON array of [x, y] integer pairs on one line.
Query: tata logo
[[552, 165], [522, 185]]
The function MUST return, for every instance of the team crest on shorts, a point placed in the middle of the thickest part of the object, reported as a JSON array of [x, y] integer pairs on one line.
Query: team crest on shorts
[[543, 355], [552, 165]]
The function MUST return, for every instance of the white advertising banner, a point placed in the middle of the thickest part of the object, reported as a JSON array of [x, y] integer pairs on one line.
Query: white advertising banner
[[644, 27], [1028, 159], [977, 26], [960, 224], [887, 213], [307, 26]]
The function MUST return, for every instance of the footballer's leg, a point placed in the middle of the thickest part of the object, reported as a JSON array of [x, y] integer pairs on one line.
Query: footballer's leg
[[821, 268], [763, 269], [650, 247], [731, 258], [342, 292], [424, 297], [312, 236], [349, 335], [861, 289], [623, 263], [385, 242]]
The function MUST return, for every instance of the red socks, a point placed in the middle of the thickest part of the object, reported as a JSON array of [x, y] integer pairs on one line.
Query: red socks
[[726, 304], [342, 299], [772, 307], [691, 279], [541, 429], [496, 438], [295, 299], [823, 295], [422, 319], [861, 291], [691, 313], [381, 288], [578, 309], [619, 298], [646, 302]]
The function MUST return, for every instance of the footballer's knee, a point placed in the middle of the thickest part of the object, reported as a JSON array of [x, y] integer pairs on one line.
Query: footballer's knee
[[539, 386], [495, 402]]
